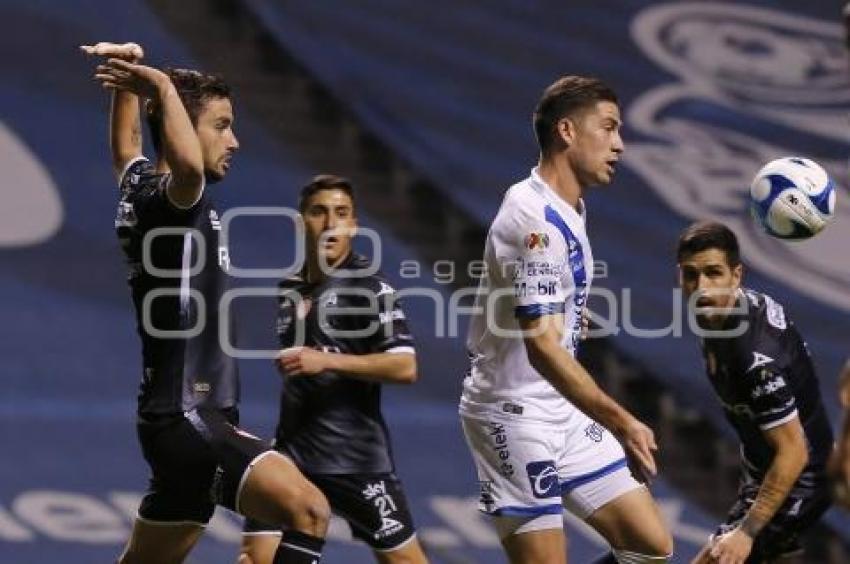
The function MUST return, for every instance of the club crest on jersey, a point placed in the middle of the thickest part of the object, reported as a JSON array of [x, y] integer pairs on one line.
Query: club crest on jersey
[[537, 241]]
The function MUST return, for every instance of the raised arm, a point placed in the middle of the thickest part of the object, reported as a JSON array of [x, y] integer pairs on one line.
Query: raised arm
[[125, 131], [181, 148], [542, 336]]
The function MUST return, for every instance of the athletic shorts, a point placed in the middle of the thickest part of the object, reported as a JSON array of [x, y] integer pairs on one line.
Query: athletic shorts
[[781, 536], [530, 469], [198, 460], [374, 505]]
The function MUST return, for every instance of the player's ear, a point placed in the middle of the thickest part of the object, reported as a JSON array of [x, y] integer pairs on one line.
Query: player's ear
[[565, 131]]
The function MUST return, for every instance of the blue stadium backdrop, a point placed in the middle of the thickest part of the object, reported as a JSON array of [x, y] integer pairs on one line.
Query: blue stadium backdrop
[[710, 90]]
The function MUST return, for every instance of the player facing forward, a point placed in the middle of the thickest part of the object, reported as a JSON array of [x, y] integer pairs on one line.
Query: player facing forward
[[761, 370], [543, 435], [330, 408], [187, 411]]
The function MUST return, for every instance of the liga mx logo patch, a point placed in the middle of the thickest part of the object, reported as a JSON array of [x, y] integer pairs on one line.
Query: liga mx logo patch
[[543, 478], [537, 241]]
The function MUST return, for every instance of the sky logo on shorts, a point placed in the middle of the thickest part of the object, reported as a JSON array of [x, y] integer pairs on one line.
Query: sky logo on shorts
[[535, 241], [543, 478]]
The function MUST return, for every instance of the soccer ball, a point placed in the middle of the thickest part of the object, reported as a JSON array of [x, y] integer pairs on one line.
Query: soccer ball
[[792, 198]]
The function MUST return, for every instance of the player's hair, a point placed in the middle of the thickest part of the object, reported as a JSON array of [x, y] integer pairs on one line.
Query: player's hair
[[324, 182], [563, 98], [195, 89], [704, 235]]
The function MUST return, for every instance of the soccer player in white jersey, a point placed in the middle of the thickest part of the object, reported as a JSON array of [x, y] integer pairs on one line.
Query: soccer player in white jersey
[[543, 435]]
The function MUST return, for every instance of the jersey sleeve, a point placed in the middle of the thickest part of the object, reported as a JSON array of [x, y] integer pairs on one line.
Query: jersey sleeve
[[143, 194], [767, 387], [531, 254], [392, 334]]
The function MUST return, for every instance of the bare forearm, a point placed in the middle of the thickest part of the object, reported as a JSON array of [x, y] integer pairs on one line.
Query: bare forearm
[[381, 367], [180, 144], [570, 378], [125, 131], [780, 478]]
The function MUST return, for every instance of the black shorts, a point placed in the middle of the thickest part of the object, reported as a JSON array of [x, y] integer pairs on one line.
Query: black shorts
[[197, 460], [374, 506], [781, 536]]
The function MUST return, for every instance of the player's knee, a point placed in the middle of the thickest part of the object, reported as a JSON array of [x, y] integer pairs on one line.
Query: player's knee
[[311, 512]]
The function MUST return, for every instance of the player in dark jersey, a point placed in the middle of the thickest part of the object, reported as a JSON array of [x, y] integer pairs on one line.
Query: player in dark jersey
[[343, 334], [840, 463], [762, 373], [187, 411]]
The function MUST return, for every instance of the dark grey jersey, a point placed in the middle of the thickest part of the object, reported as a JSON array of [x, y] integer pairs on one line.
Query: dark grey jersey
[[177, 276], [330, 423], [764, 378]]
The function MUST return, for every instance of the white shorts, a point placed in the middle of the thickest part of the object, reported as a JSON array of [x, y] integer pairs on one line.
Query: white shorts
[[530, 469]]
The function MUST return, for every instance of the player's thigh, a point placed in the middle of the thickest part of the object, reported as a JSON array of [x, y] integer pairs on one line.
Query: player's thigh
[[259, 548], [163, 543], [410, 553], [633, 522], [274, 491], [548, 546]]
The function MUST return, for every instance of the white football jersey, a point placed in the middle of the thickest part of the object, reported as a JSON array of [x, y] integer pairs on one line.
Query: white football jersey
[[538, 262]]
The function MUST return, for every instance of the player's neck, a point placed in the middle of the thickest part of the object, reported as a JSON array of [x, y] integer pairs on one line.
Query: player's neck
[[313, 271], [561, 179]]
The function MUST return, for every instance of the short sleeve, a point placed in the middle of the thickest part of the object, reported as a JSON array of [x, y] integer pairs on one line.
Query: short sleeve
[[143, 192], [531, 253], [769, 395], [393, 334]]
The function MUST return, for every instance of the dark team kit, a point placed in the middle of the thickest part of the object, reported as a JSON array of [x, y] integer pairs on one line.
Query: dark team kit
[[764, 377]]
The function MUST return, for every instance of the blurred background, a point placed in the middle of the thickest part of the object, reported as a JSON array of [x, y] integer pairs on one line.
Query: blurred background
[[427, 107]]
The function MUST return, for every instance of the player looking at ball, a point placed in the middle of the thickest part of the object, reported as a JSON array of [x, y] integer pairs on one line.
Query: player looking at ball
[[543, 435], [762, 373], [188, 402]]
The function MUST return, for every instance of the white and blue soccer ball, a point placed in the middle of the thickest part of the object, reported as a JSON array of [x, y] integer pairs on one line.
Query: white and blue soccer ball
[[792, 198]]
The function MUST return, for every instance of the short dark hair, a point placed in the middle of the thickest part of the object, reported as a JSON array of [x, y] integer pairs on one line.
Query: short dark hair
[[565, 97], [195, 89], [704, 235], [324, 182]]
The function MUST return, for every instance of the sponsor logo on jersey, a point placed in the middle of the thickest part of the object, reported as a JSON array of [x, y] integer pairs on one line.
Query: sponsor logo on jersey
[[500, 447], [542, 288], [388, 316], [759, 360], [385, 290], [777, 383], [537, 241], [543, 478]]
